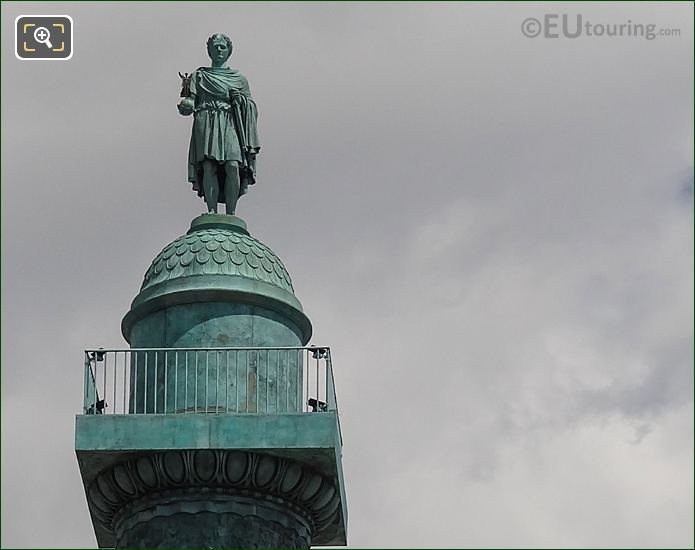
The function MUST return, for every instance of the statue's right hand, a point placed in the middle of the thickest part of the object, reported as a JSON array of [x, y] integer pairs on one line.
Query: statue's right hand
[[186, 106]]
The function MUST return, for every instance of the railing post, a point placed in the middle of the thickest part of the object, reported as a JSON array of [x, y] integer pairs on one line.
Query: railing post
[[236, 381], [155, 388], [266, 360], [126, 362], [207, 374], [226, 382], [135, 397], [176, 381], [166, 379], [195, 397], [144, 392], [330, 384], [85, 394], [103, 393]]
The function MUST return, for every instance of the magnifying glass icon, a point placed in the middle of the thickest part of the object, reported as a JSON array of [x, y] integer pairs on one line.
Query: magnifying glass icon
[[42, 36]]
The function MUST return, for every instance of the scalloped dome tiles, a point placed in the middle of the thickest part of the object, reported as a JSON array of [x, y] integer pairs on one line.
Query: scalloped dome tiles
[[217, 252]]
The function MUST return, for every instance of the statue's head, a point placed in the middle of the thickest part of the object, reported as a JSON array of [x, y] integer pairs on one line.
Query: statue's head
[[219, 47]]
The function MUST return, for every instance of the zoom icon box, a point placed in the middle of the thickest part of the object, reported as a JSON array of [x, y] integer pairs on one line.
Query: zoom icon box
[[43, 37]]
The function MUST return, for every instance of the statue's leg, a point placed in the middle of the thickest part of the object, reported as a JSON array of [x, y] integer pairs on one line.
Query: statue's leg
[[211, 188], [231, 185]]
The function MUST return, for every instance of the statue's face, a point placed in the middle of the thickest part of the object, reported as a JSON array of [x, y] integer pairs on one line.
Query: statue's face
[[219, 51]]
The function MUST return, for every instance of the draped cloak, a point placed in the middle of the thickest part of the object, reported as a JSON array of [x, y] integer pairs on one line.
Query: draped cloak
[[222, 131]]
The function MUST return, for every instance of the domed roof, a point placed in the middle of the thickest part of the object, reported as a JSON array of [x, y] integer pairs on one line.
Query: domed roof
[[207, 250], [217, 261]]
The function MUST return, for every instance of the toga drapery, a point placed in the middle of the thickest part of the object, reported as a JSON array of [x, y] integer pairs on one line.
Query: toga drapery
[[223, 129]]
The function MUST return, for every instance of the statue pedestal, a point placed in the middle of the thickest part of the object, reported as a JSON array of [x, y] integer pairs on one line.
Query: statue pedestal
[[219, 221]]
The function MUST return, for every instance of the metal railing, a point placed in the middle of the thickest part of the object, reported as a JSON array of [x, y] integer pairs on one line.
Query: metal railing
[[208, 380]]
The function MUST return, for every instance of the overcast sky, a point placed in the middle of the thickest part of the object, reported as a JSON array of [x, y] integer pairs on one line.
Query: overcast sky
[[493, 233]]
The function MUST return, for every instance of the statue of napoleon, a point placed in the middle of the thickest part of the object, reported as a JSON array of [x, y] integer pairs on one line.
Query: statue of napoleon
[[224, 140]]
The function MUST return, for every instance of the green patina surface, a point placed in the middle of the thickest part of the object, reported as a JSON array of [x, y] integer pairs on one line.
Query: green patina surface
[[216, 286], [103, 442], [217, 250], [305, 434], [214, 324], [224, 139]]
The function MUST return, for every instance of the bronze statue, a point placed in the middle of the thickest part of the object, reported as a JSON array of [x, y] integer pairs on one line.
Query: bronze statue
[[224, 139]]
